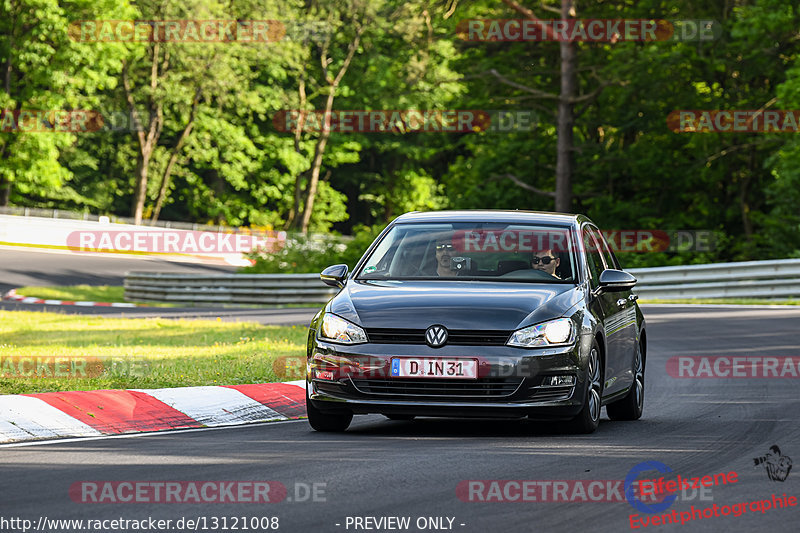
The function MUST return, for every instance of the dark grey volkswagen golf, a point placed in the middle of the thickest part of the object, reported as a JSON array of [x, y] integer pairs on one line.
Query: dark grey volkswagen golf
[[479, 314]]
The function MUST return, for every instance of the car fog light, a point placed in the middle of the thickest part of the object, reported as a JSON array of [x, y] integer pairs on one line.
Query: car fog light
[[324, 374], [557, 381]]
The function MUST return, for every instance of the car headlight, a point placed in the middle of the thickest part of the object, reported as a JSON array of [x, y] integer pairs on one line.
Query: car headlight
[[559, 332], [336, 329]]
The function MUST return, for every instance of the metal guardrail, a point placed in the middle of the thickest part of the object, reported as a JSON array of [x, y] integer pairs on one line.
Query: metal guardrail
[[227, 288], [748, 279], [752, 279]]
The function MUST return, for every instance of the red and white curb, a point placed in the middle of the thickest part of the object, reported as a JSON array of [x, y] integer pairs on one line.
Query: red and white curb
[[13, 296], [52, 415]]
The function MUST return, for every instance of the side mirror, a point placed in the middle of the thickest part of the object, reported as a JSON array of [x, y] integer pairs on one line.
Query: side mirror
[[334, 275], [616, 280]]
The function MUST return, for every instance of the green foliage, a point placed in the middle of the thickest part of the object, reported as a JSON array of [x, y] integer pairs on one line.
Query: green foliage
[[237, 167], [43, 69], [310, 254], [300, 254]]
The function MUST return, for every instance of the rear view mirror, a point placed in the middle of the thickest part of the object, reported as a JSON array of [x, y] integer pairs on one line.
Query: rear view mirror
[[334, 275], [612, 280]]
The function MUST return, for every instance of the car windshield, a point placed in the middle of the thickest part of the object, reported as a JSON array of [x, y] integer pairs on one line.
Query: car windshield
[[474, 251]]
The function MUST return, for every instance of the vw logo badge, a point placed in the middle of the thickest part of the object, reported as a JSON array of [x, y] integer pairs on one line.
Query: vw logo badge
[[436, 336]]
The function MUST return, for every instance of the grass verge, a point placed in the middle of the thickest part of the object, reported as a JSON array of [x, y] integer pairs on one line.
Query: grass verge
[[113, 353], [83, 293], [115, 293]]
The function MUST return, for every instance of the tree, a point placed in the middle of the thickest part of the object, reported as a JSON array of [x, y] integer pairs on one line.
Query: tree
[[159, 77], [43, 69], [349, 16]]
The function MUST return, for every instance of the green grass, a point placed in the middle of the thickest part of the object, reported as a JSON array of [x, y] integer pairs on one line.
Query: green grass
[[143, 352], [726, 301], [100, 293], [84, 293], [114, 293]]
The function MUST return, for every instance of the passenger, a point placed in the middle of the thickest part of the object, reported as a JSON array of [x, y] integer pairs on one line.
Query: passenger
[[546, 261]]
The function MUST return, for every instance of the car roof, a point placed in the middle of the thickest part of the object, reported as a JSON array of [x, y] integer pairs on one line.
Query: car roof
[[516, 216]]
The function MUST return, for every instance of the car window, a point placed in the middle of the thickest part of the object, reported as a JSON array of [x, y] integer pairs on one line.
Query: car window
[[610, 260], [594, 259], [479, 251], [384, 252]]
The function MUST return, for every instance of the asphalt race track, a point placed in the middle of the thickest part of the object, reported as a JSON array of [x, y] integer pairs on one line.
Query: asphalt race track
[[20, 267], [381, 468]]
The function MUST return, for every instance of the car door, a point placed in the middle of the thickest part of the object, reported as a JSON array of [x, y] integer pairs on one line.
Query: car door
[[606, 305], [625, 326]]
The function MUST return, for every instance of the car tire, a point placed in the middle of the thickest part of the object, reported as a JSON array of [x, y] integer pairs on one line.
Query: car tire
[[327, 422], [589, 417], [631, 406], [400, 417]]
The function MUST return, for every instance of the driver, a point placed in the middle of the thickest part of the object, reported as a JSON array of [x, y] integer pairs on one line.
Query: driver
[[546, 261], [444, 253]]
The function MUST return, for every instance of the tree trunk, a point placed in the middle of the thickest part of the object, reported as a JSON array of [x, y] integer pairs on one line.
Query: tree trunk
[[566, 104], [162, 191], [148, 142], [294, 213], [319, 149], [566, 117], [140, 189], [5, 192], [5, 183], [173, 158], [744, 205], [316, 166]]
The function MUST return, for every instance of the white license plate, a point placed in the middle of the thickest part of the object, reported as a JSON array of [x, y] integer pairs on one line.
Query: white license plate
[[434, 368]]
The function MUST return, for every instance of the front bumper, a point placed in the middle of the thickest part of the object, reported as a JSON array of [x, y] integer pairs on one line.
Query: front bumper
[[509, 385]]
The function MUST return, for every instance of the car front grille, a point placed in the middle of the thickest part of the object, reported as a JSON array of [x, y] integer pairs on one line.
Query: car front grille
[[440, 389], [456, 337]]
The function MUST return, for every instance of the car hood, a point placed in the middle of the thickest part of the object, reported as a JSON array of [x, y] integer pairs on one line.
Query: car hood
[[454, 304]]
